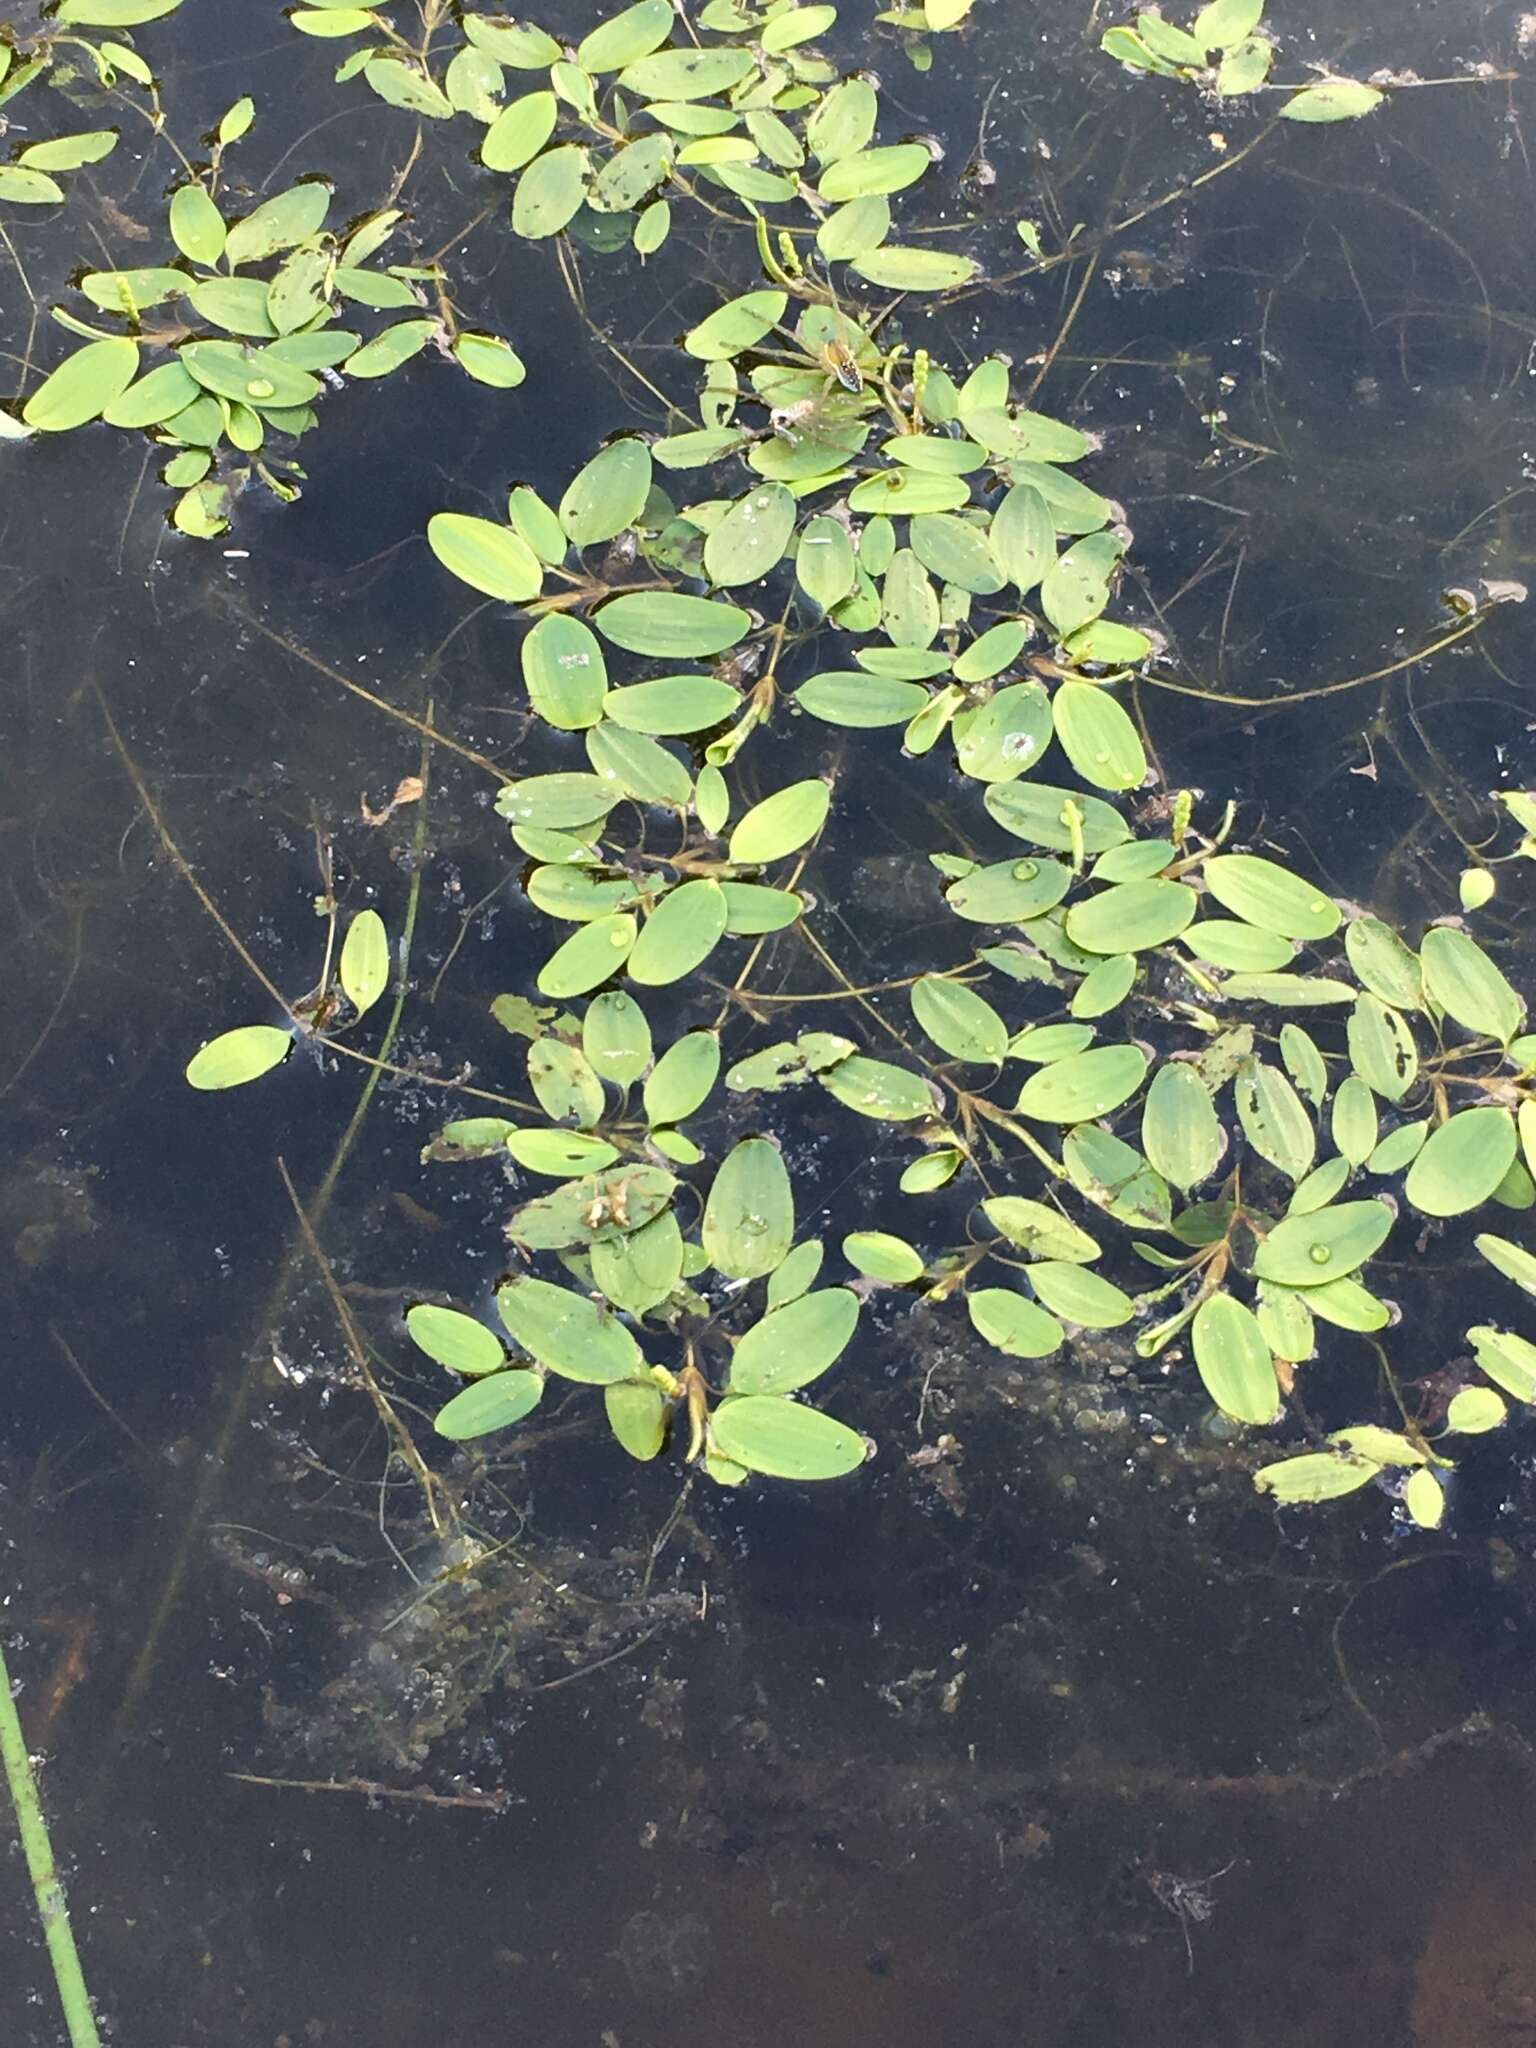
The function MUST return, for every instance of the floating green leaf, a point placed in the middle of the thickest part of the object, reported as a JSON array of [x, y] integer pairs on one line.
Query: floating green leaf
[[589, 957], [1009, 891], [1475, 1410], [959, 1021], [795, 1344], [686, 74], [670, 624], [876, 1088], [784, 1440], [560, 1153], [859, 701], [1308, 1251], [1088, 1085], [567, 1333], [751, 538], [1234, 1361], [236, 1057], [881, 1256], [519, 131], [607, 495], [1467, 985], [781, 824], [1040, 1230], [1098, 737], [1005, 736], [736, 326], [1462, 1162], [1314, 1476], [749, 1219], [1508, 1360], [1270, 896], [1274, 1119], [873, 171], [489, 1404], [1013, 1324], [1381, 1047], [550, 192], [1131, 917], [683, 1078], [83, 386], [1180, 1131], [562, 1078], [1332, 99], [364, 966], [680, 934], [898, 269], [563, 666], [486, 556], [454, 1339]]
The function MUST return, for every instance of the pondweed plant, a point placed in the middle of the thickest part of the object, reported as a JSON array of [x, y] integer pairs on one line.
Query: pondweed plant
[[56, 52], [220, 351], [1142, 977], [1247, 1177]]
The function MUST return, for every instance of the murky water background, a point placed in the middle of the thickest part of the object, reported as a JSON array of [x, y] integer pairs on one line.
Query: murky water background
[[957, 1750]]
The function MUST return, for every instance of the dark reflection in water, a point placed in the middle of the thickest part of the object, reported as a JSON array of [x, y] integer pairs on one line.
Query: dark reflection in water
[[1041, 1730]]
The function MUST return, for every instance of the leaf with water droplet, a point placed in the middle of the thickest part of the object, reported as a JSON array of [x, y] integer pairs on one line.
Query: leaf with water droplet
[[749, 1219]]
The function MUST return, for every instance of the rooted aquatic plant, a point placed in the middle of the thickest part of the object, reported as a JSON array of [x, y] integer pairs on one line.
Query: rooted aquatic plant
[[1175, 1119], [248, 318]]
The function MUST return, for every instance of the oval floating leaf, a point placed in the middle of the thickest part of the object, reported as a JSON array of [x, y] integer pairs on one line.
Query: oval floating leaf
[[1270, 896], [1315, 1476], [1467, 985], [749, 1219], [493, 1403], [608, 493], [1181, 1133], [236, 1057], [959, 1021], [1098, 737], [83, 386], [455, 1340], [670, 624], [1013, 1324], [591, 956], [487, 556], [1234, 1361], [1308, 1251], [795, 1344], [567, 1333], [680, 934], [781, 824], [1088, 1085], [783, 1440], [1462, 1162]]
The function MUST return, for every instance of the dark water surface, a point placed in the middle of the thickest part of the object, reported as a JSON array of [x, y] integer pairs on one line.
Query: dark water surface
[[954, 1751]]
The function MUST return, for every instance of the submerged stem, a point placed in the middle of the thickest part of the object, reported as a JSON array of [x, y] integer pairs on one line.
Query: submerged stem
[[47, 1886]]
